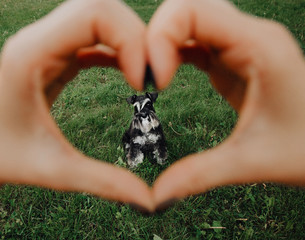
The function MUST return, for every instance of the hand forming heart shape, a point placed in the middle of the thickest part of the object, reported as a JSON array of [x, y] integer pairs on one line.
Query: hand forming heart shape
[[251, 72]]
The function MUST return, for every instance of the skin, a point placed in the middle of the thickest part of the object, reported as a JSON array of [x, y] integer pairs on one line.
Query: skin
[[259, 68], [35, 65], [254, 63]]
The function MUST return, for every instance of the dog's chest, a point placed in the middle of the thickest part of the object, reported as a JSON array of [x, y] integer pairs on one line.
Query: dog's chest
[[148, 124], [145, 125], [146, 139]]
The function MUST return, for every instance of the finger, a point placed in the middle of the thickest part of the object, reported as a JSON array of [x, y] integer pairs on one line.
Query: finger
[[213, 23], [101, 179], [195, 53], [99, 55], [51, 162], [113, 183], [226, 164], [232, 50], [75, 25], [191, 175], [216, 38]]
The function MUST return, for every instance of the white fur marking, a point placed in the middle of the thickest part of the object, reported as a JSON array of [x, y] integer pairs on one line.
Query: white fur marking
[[160, 161], [154, 123], [134, 163], [146, 125], [153, 138], [144, 102], [139, 158], [156, 154], [140, 140], [137, 104]]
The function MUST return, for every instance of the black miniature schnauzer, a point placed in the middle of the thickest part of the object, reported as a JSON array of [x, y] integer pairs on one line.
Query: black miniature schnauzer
[[145, 135]]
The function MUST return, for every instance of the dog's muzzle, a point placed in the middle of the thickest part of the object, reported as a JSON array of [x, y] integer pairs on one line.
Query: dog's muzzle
[[142, 114]]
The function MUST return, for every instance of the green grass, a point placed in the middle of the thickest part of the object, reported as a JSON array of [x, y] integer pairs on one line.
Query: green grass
[[91, 111]]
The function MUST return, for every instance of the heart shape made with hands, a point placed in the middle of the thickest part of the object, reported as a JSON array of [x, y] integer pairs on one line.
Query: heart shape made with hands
[[34, 70]]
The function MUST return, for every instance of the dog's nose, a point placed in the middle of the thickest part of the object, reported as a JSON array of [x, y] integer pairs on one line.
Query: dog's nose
[[141, 114]]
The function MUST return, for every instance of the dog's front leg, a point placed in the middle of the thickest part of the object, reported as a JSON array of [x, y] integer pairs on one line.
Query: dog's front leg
[[160, 153], [135, 156], [126, 142]]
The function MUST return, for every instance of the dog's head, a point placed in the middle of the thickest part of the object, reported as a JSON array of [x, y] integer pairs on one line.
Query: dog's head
[[143, 105], [144, 112]]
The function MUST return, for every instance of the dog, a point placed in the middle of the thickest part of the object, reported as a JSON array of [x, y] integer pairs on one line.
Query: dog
[[145, 135]]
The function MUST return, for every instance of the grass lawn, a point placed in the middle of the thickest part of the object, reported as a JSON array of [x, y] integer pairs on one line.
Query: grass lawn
[[93, 114]]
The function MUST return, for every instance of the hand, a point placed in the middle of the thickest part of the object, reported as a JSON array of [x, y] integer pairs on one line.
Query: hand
[[251, 72], [258, 67], [35, 65]]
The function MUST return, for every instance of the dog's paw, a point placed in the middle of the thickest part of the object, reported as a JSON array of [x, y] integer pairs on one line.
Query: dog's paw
[[160, 156], [132, 165], [134, 162], [161, 161]]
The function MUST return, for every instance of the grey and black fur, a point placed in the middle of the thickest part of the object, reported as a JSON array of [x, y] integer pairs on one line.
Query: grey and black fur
[[145, 135]]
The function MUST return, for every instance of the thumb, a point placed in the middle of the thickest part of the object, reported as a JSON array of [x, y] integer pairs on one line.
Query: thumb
[[38, 154], [212, 25], [200, 172], [258, 150], [106, 181], [60, 167]]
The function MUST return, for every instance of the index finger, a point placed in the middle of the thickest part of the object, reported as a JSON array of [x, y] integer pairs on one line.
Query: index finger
[[52, 43], [217, 25]]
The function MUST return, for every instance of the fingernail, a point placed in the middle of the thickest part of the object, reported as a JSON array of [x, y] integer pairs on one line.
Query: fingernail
[[140, 209], [149, 78], [166, 204]]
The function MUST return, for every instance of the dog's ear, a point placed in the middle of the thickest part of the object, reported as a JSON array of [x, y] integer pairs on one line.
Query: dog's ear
[[132, 99], [153, 96]]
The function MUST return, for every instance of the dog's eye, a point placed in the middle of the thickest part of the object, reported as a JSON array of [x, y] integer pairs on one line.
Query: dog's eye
[[148, 105]]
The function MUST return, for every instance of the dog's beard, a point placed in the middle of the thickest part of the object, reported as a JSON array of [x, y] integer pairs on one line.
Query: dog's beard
[[146, 124]]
